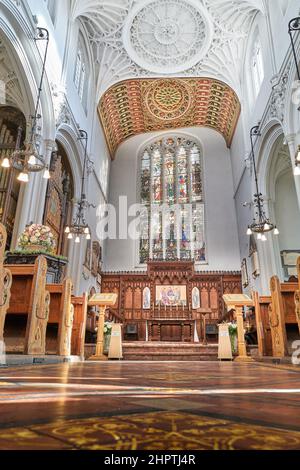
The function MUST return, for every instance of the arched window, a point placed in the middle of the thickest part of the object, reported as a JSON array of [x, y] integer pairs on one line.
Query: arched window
[[257, 67], [172, 227], [81, 71]]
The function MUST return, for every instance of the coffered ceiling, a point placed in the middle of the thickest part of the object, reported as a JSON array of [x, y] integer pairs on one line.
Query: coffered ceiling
[[138, 106]]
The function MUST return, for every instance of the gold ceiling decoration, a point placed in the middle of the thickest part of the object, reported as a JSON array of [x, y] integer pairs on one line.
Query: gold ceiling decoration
[[137, 106]]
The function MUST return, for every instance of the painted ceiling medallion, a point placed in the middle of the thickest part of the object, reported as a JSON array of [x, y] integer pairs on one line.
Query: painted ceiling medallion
[[168, 99], [137, 106], [167, 36]]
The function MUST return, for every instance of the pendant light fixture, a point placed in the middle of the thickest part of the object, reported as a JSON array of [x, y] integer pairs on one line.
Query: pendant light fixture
[[261, 224], [79, 227], [28, 160]]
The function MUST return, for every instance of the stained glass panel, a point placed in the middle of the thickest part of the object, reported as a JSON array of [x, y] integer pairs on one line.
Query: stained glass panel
[[171, 177]]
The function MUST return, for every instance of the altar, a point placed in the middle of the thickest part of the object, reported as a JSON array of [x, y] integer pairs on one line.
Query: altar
[[172, 330]]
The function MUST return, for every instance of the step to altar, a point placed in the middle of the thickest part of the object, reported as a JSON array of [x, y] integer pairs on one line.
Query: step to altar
[[169, 351]]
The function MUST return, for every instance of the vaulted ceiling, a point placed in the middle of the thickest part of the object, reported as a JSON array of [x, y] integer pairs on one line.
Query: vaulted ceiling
[[138, 106], [155, 38]]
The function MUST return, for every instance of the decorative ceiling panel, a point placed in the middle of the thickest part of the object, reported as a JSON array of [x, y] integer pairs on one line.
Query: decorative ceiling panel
[[138, 106], [120, 30]]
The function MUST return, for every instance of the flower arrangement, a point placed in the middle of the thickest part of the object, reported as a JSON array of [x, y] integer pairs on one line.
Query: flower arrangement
[[37, 236], [107, 328], [232, 327]]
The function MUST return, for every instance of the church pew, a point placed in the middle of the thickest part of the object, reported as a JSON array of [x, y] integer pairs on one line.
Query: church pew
[[5, 285], [263, 328], [80, 305], [60, 322], [29, 302], [282, 313]]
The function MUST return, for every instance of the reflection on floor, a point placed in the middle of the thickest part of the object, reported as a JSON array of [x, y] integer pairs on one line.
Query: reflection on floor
[[150, 406]]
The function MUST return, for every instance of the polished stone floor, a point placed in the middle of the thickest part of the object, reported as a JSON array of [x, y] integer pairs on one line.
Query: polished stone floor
[[150, 406]]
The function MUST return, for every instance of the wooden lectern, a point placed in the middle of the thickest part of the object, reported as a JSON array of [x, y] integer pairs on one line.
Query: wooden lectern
[[102, 301], [237, 302]]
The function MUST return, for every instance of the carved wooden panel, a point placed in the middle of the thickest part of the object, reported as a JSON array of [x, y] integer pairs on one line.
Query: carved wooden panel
[[5, 282], [66, 320], [35, 342], [277, 320], [130, 286]]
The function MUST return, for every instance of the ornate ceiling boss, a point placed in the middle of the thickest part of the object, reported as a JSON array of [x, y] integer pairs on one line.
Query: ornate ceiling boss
[[138, 106], [169, 36]]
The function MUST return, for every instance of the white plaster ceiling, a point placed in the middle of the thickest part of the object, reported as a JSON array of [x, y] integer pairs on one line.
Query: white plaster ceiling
[[116, 31]]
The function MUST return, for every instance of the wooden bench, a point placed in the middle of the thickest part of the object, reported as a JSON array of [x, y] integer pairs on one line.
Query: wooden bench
[[60, 322], [80, 305], [29, 299], [5, 286], [275, 314]]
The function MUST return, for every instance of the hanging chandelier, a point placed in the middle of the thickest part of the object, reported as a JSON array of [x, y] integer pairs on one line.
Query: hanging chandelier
[[28, 160], [79, 227], [261, 223]]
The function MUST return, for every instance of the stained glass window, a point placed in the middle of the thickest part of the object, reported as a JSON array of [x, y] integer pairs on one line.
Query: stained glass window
[[172, 226]]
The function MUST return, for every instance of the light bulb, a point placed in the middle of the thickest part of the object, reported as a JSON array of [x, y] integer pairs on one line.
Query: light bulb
[[263, 238], [88, 237], [67, 230], [23, 177], [86, 230], [46, 175], [70, 236], [259, 236], [297, 171], [249, 231], [77, 240], [266, 227], [32, 160], [276, 231], [5, 163]]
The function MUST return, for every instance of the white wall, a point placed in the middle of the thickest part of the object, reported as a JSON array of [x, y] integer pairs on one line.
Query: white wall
[[287, 213], [221, 227]]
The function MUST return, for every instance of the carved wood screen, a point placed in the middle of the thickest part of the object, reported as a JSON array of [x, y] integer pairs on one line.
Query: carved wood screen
[[12, 134], [58, 206], [130, 287]]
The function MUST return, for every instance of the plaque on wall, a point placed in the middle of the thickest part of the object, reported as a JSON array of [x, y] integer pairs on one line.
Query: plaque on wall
[[289, 262], [245, 277]]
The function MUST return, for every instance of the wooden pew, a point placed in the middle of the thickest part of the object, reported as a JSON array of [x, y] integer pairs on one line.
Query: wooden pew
[[297, 295], [29, 298], [5, 284], [263, 328], [79, 325], [275, 313], [61, 316]]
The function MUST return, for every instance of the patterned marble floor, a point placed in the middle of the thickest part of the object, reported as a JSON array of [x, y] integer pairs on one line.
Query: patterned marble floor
[[150, 406]]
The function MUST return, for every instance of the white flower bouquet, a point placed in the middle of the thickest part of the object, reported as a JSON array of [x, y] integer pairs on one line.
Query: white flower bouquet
[[37, 236]]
